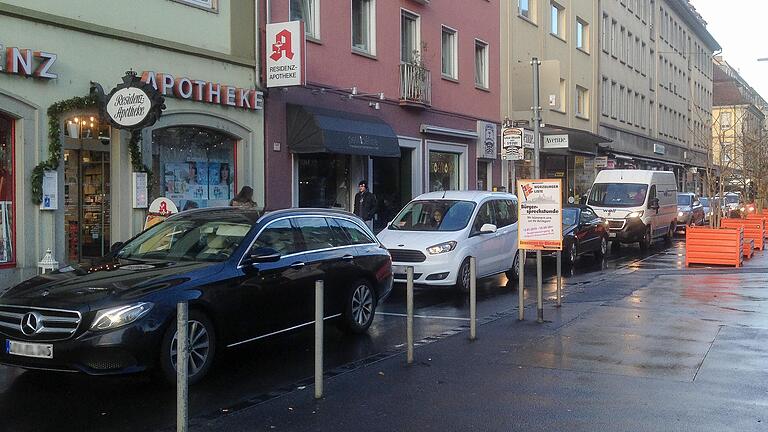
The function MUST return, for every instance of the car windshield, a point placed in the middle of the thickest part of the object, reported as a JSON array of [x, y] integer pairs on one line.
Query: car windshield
[[704, 201], [207, 236], [731, 199], [683, 200], [570, 216], [434, 215], [618, 194]]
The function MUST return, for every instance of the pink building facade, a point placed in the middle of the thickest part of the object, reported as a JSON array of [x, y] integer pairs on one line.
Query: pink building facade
[[403, 94]]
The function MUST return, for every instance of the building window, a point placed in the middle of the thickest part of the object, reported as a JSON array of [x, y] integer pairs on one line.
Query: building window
[[409, 38], [582, 102], [614, 100], [582, 35], [614, 37], [309, 12], [196, 166], [526, 9], [450, 64], [443, 171], [605, 98], [557, 19], [7, 201], [364, 26], [209, 5], [481, 64]]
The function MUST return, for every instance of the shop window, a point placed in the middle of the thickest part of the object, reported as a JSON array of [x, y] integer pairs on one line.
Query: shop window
[[443, 171], [7, 204], [194, 166]]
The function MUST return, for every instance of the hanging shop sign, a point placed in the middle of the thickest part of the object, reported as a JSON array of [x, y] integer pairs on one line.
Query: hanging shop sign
[[204, 91], [286, 44], [540, 207], [512, 144], [27, 63], [528, 138], [486, 140], [132, 105], [601, 162]]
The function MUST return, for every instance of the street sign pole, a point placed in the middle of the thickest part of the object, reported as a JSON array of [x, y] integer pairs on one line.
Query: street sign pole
[[535, 63]]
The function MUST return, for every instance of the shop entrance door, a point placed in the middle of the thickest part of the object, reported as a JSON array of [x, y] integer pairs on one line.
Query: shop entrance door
[[392, 185], [86, 201]]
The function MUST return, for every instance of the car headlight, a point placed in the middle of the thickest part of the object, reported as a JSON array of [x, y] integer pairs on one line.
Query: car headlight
[[637, 214], [442, 248], [112, 318], [680, 214], [742, 209]]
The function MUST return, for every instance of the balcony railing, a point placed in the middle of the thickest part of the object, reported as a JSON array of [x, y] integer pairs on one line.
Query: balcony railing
[[415, 85]]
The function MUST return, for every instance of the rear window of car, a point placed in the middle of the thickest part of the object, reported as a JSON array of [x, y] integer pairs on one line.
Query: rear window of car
[[356, 234]]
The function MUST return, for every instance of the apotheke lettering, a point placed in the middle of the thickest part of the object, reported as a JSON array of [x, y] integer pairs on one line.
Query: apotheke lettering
[[204, 91]]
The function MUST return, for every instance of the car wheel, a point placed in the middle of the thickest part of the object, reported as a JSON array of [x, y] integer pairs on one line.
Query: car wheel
[[645, 242], [202, 348], [359, 307], [463, 276], [603, 249], [670, 234], [514, 272]]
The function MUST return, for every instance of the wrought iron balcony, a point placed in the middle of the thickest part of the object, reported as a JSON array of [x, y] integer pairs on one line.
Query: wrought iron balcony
[[415, 85]]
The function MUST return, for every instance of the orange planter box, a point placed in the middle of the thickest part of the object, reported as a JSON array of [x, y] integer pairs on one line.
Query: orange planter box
[[748, 248], [753, 229], [763, 217], [714, 246]]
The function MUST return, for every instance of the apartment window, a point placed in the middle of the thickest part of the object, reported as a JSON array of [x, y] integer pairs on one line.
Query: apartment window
[[614, 42], [209, 5], [629, 107], [409, 38], [481, 64], [363, 25], [307, 11], [450, 65], [527, 8], [622, 44], [605, 98], [557, 20], [582, 35], [725, 120], [630, 51], [622, 104], [582, 102], [604, 35], [614, 100]]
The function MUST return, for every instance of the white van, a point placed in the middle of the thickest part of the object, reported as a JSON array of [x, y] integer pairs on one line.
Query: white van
[[639, 205]]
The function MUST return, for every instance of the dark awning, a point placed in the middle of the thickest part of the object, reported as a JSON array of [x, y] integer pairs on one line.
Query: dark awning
[[320, 130]]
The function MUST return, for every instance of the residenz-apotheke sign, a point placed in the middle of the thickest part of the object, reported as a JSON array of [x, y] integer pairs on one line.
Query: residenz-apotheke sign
[[128, 106], [204, 91]]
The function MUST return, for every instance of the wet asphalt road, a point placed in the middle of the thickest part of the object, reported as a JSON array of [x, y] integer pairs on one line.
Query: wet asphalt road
[[36, 401]]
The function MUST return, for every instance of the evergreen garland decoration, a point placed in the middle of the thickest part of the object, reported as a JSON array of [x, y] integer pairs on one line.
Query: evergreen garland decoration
[[54, 141], [134, 150]]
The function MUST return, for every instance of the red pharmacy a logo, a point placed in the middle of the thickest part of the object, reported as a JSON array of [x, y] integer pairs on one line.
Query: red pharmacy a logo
[[282, 46]]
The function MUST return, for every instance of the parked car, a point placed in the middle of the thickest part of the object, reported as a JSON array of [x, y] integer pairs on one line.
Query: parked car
[[690, 211], [437, 232], [639, 205], [245, 278], [583, 233], [711, 207], [732, 204]]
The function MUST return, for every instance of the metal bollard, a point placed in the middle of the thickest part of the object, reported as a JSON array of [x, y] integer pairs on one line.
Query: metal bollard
[[559, 278], [319, 339], [409, 313], [182, 362], [539, 290], [521, 287], [472, 298]]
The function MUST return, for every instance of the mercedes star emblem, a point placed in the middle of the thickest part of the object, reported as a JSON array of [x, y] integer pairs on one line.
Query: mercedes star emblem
[[31, 323]]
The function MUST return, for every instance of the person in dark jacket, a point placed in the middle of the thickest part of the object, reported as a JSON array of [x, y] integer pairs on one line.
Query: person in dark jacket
[[365, 204]]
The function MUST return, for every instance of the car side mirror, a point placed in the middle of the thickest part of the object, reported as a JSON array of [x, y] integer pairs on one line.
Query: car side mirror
[[263, 255], [654, 204], [488, 229], [116, 246], [696, 203]]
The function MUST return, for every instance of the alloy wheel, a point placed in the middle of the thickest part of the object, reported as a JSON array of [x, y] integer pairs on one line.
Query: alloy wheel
[[603, 246], [572, 254], [199, 347], [362, 304], [465, 275]]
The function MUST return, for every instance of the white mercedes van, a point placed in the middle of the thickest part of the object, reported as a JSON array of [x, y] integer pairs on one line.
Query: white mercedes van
[[639, 205]]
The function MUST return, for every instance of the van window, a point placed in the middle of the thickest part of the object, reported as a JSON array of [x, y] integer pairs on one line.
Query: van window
[[484, 216], [618, 194]]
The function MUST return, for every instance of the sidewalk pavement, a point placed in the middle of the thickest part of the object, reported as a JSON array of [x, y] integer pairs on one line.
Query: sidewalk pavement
[[645, 350]]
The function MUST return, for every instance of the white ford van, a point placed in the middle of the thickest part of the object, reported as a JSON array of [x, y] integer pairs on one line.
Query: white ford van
[[639, 205]]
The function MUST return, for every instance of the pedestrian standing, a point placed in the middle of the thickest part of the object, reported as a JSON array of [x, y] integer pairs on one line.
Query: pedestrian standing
[[365, 204], [244, 198]]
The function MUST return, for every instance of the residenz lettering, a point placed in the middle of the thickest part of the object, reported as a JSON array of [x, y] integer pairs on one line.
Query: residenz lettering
[[27, 63], [129, 106]]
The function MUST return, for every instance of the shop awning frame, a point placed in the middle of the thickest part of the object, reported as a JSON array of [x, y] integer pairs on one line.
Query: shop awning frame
[[321, 130]]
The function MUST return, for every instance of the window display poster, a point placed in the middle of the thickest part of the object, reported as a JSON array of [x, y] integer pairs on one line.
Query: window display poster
[[186, 183], [220, 185], [540, 207], [50, 187]]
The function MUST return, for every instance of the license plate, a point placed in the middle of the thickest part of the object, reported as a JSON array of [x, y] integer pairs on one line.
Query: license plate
[[26, 349], [611, 234]]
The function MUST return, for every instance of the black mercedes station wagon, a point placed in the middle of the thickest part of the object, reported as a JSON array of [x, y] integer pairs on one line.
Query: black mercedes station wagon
[[245, 276]]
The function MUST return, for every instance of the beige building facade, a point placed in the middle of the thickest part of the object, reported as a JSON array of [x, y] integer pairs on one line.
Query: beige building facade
[[656, 87], [562, 34]]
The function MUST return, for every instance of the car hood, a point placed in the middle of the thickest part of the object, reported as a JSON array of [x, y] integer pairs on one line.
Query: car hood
[[418, 240], [612, 213], [118, 282]]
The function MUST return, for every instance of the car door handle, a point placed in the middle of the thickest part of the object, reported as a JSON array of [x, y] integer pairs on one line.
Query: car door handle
[[348, 257], [297, 265]]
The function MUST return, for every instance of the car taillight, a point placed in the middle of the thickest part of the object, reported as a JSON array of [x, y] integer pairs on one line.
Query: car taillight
[[385, 270]]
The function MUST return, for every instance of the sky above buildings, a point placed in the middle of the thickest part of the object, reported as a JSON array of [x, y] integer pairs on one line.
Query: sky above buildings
[[740, 27]]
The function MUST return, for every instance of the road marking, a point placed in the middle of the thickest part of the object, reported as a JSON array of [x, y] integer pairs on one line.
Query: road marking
[[423, 316]]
